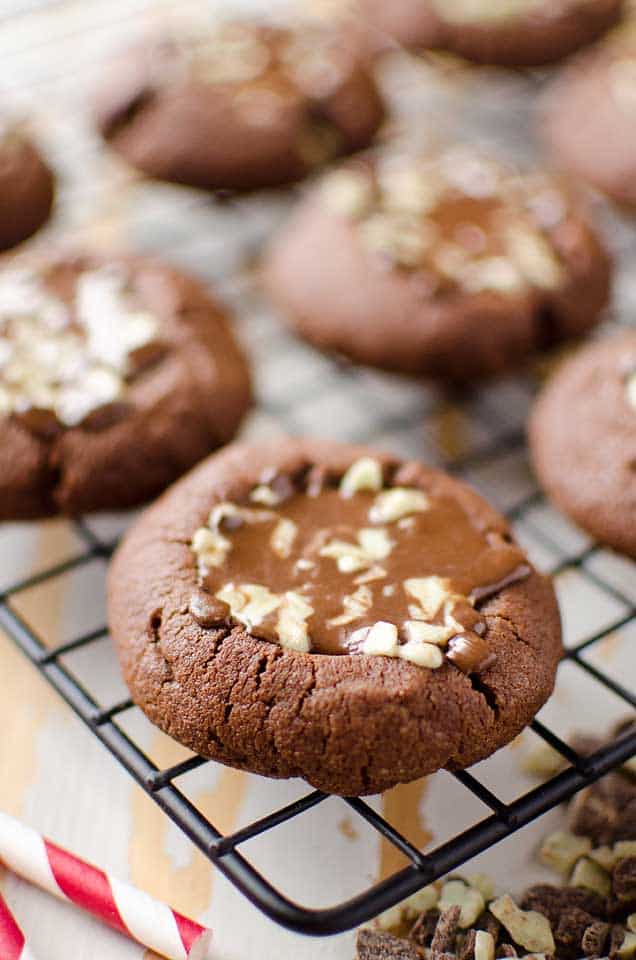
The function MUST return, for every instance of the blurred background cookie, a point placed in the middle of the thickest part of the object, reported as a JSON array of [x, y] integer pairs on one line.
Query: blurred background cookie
[[583, 440], [116, 375], [589, 117], [26, 186], [451, 266], [240, 107], [511, 33]]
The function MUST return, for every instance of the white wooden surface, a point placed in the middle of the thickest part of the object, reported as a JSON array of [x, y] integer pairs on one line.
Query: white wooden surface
[[53, 774]]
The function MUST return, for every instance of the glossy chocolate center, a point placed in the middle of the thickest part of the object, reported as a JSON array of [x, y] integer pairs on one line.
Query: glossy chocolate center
[[376, 571]]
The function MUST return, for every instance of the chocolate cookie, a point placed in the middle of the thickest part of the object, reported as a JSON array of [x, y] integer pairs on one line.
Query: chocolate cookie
[[116, 375], [246, 106], [451, 267], [583, 440], [589, 118], [303, 608], [26, 187], [511, 33]]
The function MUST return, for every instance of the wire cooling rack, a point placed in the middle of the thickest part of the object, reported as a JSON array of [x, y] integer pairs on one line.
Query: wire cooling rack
[[478, 436], [225, 850]]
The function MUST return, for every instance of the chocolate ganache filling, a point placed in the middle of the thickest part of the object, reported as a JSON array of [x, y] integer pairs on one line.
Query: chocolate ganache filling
[[355, 569]]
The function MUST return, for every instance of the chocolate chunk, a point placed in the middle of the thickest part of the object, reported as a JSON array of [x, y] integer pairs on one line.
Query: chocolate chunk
[[552, 902], [373, 945], [606, 811], [424, 928], [446, 931], [488, 922], [506, 950], [471, 653], [617, 936], [467, 947], [594, 939], [207, 610], [624, 878], [569, 931]]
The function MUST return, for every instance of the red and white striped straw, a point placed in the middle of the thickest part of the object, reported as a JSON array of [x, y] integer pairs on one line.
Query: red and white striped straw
[[13, 945], [120, 905]]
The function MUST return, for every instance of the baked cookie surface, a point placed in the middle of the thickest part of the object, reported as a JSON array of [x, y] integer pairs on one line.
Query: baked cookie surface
[[510, 33], [116, 375], [243, 107], [589, 118], [451, 267], [304, 608], [26, 187], [583, 440]]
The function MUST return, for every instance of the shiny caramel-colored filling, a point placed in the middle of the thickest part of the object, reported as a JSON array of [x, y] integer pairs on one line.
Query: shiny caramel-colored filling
[[359, 569]]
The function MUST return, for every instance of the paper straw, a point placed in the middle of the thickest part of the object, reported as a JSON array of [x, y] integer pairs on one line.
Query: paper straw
[[120, 905], [13, 945]]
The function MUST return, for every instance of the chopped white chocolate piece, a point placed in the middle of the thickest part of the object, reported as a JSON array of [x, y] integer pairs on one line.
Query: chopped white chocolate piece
[[417, 631], [233, 597], [292, 626], [624, 848], [456, 893], [264, 495], [430, 592], [425, 899], [256, 602], [491, 273], [627, 948], [364, 474], [421, 902], [210, 547], [348, 193], [482, 882], [373, 544], [374, 573], [355, 606], [406, 187], [589, 875], [528, 928], [561, 850], [381, 640], [422, 654], [534, 256], [397, 502], [604, 856], [283, 536], [543, 761], [484, 948]]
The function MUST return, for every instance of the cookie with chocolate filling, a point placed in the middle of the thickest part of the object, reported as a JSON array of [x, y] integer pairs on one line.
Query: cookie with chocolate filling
[[589, 117], [451, 266], [583, 440], [26, 187], [116, 375], [510, 33], [304, 608], [241, 107]]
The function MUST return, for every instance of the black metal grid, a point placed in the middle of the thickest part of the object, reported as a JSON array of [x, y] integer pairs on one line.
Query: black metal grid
[[225, 851]]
